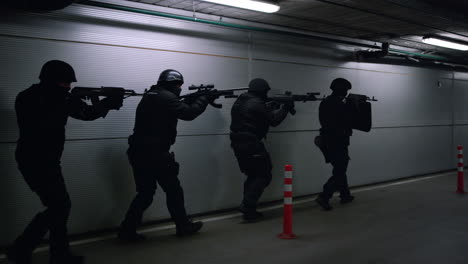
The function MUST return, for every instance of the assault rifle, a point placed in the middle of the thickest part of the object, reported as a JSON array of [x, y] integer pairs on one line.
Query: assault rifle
[[355, 98], [289, 98], [91, 93], [359, 98], [210, 91]]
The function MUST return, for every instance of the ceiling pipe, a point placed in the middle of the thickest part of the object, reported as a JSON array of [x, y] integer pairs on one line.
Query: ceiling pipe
[[217, 23], [363, 55], [260, 29], [390, 17]]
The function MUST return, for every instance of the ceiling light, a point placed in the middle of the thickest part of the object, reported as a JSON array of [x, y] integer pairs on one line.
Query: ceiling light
[[445, 43], [248, 4]]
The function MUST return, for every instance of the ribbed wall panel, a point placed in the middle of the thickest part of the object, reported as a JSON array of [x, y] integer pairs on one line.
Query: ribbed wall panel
[[413, 116], [380, 155], [101, 184], [460, 101], [460, 139], [461, 75], [119, 67], [97, 25], [404, 100], [408, 100]]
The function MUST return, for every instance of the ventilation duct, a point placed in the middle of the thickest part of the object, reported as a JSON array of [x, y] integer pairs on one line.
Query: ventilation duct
[[363, 55], [37, 5]]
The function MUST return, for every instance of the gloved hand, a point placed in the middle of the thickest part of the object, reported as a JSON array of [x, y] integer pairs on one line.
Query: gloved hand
[[289, 105], [212, 96], [113, 102], [272, 105]]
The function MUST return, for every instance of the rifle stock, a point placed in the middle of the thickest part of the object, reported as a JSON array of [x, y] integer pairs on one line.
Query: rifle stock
[[289, 98]]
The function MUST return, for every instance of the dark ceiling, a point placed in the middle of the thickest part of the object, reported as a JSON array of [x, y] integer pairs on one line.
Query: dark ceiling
[[398, 22]]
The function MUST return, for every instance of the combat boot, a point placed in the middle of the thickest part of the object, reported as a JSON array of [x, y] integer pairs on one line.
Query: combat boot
[[188, 228], [324, 203], [346, 199], [130, 236], [17, 256], [66, 258], [250, 215]]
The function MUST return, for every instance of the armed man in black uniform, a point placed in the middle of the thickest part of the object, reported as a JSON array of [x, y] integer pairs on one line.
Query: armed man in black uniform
[[154, 133], [42, 112], [251, 119], [335, 119]]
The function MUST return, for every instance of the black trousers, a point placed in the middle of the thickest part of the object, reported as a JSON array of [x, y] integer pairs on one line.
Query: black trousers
[[339, 159], [151, 167], [255, 162], [46, 180]]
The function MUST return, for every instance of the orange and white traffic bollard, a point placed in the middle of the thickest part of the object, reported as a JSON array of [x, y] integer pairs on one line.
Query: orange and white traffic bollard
[[460, 183], [287, 215]]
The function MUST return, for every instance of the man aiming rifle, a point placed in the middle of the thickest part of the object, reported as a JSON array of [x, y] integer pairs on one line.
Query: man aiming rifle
[[339, 114], [42, 112], [251, 119], [289, 98], [149, 153]]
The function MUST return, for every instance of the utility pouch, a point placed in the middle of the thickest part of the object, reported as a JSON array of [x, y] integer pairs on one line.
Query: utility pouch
[[320, 143]]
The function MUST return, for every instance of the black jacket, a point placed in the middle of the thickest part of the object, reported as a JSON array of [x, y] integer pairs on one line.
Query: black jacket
[[251, 117], [157, 115], [335, 119], [42, 112]]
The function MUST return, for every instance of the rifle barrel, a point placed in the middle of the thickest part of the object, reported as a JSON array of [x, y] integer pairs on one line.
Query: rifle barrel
[[238, 89], [103, 91]]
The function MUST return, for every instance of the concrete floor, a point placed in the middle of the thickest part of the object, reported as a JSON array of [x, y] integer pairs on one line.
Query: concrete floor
[[416, 221]]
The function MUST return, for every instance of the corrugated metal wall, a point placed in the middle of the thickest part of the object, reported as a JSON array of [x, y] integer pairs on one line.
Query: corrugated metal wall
[[413, 120]]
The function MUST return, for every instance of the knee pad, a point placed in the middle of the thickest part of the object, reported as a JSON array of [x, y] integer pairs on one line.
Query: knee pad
[[61, 203], [145, 198], [174, 168], [266, 180]]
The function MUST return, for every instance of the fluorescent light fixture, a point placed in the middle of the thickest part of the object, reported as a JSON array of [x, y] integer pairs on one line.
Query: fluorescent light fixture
[[444, 43], [248, 4]]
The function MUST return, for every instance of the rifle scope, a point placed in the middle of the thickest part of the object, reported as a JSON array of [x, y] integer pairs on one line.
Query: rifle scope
[[201, 86]]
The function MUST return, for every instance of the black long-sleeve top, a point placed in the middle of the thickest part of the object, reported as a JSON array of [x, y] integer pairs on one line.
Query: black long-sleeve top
[[250, 115], [335, 119], [157, 116], [42, 112]]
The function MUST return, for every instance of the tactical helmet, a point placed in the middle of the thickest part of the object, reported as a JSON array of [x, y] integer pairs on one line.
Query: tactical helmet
[[340, 84], [56, 71], [259, 86], [170, 76]]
